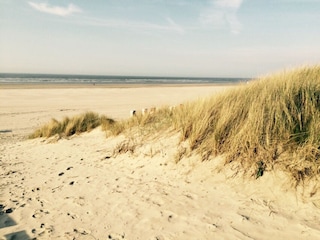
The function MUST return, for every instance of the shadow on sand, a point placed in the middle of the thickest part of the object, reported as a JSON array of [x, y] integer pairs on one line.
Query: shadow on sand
[[7, 221], [6, 131]]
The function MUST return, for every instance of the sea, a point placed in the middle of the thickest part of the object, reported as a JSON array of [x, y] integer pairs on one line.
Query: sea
[[12, 78]]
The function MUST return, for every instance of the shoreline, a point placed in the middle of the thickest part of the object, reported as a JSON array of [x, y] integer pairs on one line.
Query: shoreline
[[107, 85], [24, 108]]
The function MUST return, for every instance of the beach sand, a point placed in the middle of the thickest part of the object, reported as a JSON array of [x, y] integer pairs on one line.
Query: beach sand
[[78, 188]]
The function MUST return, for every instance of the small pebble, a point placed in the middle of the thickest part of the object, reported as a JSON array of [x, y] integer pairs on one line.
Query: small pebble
[[60, 174], [71, 183]]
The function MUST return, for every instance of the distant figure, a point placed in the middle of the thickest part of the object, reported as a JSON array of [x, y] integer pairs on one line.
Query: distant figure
[[144, 111], [132, 113]]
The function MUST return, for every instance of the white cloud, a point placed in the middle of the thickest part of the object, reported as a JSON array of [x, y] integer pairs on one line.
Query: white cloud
[[222, 14], [174, 26], [228, 3], [55, 10], [171, 25]]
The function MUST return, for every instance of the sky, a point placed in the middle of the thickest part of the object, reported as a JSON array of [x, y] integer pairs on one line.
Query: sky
[[187, 38]]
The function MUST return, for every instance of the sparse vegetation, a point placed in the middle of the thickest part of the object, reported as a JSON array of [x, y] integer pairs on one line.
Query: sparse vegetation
[[145, 125], [70, 126], [271, 122], [127, 146]]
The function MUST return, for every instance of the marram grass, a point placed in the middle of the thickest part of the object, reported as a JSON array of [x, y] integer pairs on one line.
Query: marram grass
[[70, 126], [273, 120], [146, 125], [270, 122]]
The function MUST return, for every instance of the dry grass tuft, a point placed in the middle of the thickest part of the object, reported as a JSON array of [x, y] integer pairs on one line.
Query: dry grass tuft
[[144, 125], [127, 146], [70, 126]]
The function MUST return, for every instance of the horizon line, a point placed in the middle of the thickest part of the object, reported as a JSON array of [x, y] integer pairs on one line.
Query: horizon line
[[123, 76]]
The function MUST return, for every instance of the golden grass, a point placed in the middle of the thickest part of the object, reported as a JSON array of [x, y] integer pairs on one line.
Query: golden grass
[[70, 126], [270, 122], [273, 120], [145, 125]]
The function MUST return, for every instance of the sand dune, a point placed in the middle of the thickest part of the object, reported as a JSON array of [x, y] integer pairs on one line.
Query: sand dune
[[81, 188]]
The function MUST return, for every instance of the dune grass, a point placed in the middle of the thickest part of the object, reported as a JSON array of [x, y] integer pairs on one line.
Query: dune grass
[[270, 122], [70, 126], [144, 125], [273, 120]]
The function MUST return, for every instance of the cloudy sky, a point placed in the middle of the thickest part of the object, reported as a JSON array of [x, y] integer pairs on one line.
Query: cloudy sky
[[200, 38]]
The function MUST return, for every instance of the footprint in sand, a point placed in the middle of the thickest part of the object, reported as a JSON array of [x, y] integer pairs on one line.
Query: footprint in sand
[[72, 215], [40, 213], [80, 201], [42, 231], [80, 234], [115, 236]]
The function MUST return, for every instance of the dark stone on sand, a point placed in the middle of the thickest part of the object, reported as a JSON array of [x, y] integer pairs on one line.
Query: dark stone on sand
[[69, 168], [42, 225], [33, 230], [71, 183], [60, 174], [9, 210]]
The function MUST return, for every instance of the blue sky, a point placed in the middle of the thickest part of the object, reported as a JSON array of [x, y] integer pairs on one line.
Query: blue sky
[[200, 38]]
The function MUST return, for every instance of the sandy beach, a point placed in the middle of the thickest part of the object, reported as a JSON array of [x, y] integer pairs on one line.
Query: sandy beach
[[78, 188]]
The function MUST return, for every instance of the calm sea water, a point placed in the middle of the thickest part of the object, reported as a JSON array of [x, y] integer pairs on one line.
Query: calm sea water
[[9, 78]]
